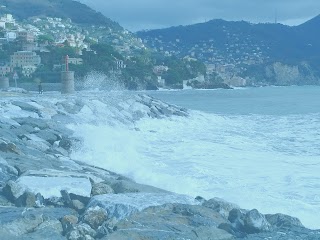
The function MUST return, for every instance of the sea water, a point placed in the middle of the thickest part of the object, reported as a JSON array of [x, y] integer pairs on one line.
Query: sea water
[[256, 147]]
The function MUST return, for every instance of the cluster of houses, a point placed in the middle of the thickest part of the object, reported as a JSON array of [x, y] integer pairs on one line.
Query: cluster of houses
[[26, 60]]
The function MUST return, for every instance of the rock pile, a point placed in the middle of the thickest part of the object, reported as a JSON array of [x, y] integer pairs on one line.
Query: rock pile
[[47, 195]]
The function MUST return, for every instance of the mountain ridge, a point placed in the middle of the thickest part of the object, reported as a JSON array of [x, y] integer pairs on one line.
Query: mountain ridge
[[244, 46], [76, 11]]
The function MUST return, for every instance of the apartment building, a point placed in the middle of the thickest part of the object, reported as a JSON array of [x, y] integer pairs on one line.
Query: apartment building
[[24, 58]]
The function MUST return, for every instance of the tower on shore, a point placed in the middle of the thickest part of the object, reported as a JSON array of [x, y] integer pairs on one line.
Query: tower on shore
[[67, 79]]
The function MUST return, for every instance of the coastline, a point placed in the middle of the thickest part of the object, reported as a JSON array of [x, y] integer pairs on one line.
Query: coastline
[[47, 195]]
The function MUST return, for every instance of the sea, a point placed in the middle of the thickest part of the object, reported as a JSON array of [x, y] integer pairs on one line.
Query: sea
[[255, 147]]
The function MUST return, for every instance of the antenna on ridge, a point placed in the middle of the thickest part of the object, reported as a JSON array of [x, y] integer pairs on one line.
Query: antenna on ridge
[[276, 17]]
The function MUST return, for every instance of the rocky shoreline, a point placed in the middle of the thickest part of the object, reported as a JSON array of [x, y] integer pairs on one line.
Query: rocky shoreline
[[47, 195]]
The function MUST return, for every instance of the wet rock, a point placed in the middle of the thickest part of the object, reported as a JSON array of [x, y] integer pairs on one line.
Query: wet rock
[[65, 143], [95, 217], [68, 222], [12, 190], [26, 106], [48, 136], [236, 217], [255, 222], [4, 202], [100, 189], [34, 122], [19, 221], [283, 221], [77, 205], [81, 232], [123, 205], [170, 221], [8, 147], [27, 199], [125, 186], [221, 206], [7, 172], [50, 229], [50, 187]]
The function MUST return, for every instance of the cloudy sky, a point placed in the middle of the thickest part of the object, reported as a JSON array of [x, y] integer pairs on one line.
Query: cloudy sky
[[148, 14]]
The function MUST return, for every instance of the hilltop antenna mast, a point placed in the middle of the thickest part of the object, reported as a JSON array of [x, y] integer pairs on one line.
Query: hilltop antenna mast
[[276, 17]]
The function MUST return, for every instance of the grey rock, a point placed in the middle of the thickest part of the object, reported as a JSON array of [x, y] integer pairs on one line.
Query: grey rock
[[95, 217], [27, 128], [221, 206], [34, 122], [236, 217], [72, 107], [65, 143], [48, 136], [67, 222], [100, 189], [77, 205], [27, 199], [8, 147], [7, 172], [81, 232], [281, 220], [19, 221], [123, 205], [125, 186], [255, 222], [12, 190], [26, 106], [165, 222], [4, 202]]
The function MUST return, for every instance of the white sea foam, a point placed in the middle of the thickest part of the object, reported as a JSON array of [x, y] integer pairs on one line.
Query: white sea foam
[[256, 161]]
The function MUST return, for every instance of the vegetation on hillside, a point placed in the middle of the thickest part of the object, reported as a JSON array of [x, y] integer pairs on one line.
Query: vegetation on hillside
[[77, 12]]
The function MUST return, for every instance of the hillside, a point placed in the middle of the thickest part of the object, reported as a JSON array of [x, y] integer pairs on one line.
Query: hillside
[[77, 12], [248, 50]]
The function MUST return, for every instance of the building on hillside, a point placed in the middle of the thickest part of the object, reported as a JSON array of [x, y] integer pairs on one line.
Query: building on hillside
[[11, 36], [160, 69], [27, 71], [30, 46], [161, 81], [7, 18], [75, 61], [26, 36], [4, 70], [120, 64], [3, 24], [24, 58]]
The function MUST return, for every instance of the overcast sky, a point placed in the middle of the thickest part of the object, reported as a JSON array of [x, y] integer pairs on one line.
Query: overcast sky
[[148, 14]]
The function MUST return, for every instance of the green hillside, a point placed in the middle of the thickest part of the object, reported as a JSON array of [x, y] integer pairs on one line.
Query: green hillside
[[77, 12]]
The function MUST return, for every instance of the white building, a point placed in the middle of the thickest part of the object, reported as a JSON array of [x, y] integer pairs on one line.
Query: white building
[[28, 70], [11, 36], [4, 70], [75, 61]]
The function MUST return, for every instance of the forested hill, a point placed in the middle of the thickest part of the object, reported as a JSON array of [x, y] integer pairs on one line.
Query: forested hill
[[234, 41], [77, 12], [270, 53]]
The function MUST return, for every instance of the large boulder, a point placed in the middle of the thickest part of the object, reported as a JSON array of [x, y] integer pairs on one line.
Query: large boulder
[[17, 222], [281, 220], [26, 106], [95, 217], [52, 186], [255, 222], [221, 206], [123, 205], [171, 221]]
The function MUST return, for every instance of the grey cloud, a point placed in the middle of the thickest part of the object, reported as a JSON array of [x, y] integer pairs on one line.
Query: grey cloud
[[142, 14]]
